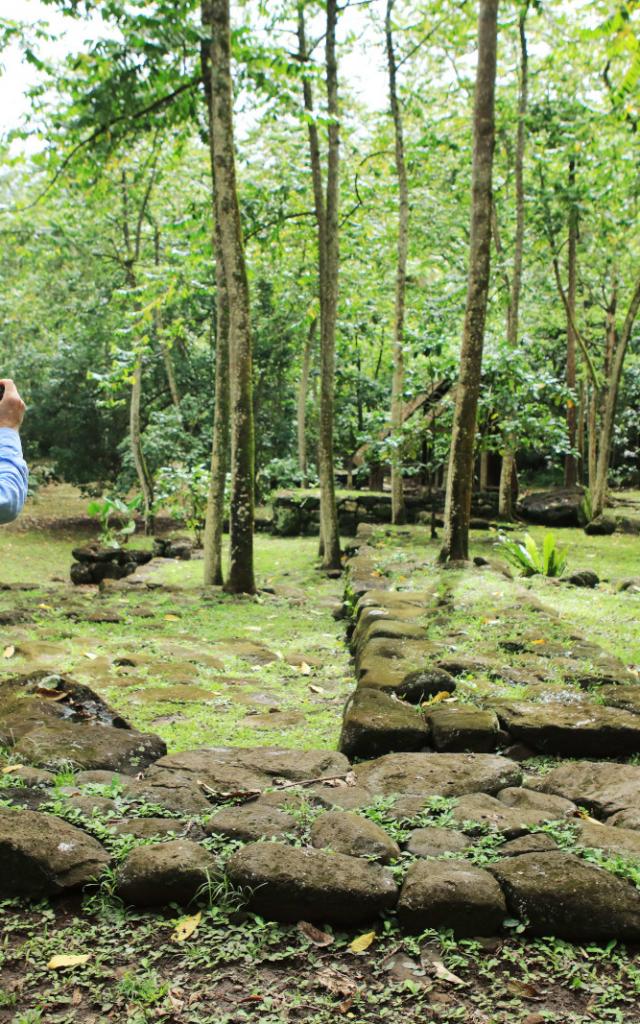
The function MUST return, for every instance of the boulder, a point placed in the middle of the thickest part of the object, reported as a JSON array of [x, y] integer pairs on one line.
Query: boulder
[[229, 770], [288, 883], [582, 578], [353, 835], [600, 527], [612, 839], [554, 807], [250, 823], [536, 842], [462, 727], [553, 508], [434, 842], [90, 746], [425, 775], [342, 798], [560, 894], [162, 873], [604, 789], [41, 855], [405, 668], [375, 723], [572, 730], [451, 894], [624, 695], [478, 812]]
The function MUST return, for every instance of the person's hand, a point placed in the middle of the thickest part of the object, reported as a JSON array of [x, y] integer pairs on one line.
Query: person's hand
[[12, 408]]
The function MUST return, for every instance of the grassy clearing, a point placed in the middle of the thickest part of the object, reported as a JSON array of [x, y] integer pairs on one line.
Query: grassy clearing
[[199, 675]]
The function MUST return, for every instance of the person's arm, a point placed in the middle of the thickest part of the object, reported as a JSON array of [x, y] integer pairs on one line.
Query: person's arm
[[14, 475]]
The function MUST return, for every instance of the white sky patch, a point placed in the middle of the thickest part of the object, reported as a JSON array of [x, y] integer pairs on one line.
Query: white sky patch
[[362, 68]]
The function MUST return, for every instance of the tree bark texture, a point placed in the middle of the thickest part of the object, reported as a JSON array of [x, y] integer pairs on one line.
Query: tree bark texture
[[460, 476], [398, 511]]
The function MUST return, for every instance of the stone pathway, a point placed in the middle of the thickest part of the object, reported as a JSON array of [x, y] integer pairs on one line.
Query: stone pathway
[[448, 801]]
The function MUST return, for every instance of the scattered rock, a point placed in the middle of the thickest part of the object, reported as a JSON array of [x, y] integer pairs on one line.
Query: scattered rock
[[291, 884], [251, 822], [376, 723], [434, 842], [41, 855], [600, 527], [351, 834], [462, 727], [159, 874], [451, 894], [582, 578], [559, 894], [90, 746], [552, 508]]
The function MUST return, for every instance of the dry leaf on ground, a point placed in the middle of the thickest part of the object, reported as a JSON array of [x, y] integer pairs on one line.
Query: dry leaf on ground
[[68, 960]]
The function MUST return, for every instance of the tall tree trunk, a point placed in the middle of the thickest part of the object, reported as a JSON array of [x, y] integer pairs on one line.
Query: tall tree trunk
[[398, 511], [599, 494], [157, 326], [326, 210], [460, 477], [214, 519], [303, 387], [328, 510], [570, 465], [508, 469], [241, 519], [139, 461]]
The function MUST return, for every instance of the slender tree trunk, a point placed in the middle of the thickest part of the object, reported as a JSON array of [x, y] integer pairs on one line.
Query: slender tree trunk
[[303, 387], [328, 510], [398, 511], [580, 436], [157, 325], [570, 465], [241, 574], [599, 494], [460, 477], [508, 469], [326, 209], [139, 461], [214, 520], [593, 437]]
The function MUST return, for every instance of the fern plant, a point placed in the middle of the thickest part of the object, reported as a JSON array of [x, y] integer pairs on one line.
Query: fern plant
[[549, 560]]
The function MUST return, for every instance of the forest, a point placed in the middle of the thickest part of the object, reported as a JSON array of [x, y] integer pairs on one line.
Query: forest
[[319, 660], [114, 305]]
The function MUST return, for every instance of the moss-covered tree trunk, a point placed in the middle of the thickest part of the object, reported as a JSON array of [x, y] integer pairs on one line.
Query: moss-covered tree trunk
[[460, 476], [241, 515], [326, 210], [398, 510], [214, 520], [570, 461]]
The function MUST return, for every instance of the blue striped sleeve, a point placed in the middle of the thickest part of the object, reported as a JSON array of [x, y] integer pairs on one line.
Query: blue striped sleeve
[[14, 475]]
